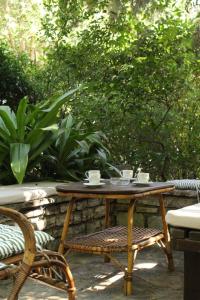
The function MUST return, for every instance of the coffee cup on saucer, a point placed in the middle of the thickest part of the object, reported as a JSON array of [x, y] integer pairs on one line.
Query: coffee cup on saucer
[[128, 174], [93, 176], [143, 177]]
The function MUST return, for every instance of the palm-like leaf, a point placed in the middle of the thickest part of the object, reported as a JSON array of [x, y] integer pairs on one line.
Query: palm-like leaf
[[20, 116], [24, 136], [74, 151], [19, 159], [9, 120]]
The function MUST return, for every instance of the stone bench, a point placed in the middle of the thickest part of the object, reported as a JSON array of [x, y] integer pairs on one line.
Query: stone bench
[[185, 231], [20, 193]]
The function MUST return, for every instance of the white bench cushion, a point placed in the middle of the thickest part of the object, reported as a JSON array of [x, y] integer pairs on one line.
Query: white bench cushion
[[188, 217], [12, 240], [17, 193]]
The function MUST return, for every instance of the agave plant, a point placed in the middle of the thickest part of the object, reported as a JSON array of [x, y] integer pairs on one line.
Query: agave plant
[[74, 151], [26, 134]]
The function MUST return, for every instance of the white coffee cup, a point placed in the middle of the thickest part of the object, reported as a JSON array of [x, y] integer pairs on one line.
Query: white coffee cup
[[93, 176], [127, 174], [143, 177]]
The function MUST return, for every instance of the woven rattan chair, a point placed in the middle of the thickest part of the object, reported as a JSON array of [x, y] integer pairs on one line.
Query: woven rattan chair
[[47, 266]]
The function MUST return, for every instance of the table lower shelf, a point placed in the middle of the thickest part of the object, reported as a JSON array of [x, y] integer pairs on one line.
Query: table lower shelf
[[114, 239]]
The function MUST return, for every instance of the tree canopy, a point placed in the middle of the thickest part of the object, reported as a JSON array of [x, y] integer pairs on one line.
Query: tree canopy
[[138, 63]]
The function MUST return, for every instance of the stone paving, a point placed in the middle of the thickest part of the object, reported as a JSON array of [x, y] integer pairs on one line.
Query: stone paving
[[99, 281]]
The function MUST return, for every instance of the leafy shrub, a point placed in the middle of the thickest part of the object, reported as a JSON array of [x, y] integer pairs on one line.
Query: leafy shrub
[[14, 83], [74, 151], [141, 86], [26, 134]]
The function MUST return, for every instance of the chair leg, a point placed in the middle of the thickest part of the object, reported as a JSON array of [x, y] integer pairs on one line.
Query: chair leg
[[69, 277], [21, 277], [58, 267], [71, 286], [168, 252], [166, 243]]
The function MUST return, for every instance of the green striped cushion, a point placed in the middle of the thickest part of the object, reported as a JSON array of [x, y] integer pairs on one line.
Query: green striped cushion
[[12, 240], [186, 184]]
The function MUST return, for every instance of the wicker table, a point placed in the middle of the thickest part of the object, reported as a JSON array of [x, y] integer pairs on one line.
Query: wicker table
[[119, 238]]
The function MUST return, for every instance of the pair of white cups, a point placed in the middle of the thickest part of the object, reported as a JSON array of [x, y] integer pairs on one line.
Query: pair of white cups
[[93, 176], [141, 176], [127, 174]]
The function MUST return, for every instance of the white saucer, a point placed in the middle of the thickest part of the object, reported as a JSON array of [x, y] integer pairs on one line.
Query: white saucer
[[86, 180], [133, 179], [142, 183], [89, 184]]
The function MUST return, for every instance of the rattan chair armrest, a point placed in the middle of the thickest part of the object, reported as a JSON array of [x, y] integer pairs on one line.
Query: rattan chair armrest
[[27, 231], [47, 260]]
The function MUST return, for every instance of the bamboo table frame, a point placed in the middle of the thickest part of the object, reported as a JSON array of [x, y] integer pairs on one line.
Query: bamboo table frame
[[129, 193]]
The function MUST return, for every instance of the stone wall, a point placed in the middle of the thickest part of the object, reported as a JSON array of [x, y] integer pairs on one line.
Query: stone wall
[[147, 211], [49, 213]]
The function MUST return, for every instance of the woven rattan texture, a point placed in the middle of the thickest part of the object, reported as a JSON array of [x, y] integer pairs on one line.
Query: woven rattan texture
[[113, 239]]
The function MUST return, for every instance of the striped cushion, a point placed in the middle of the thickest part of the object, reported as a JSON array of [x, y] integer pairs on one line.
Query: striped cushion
[[186, 184], [12, 240]]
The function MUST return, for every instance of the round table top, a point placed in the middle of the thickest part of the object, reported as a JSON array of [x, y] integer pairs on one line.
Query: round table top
[[107, 188]]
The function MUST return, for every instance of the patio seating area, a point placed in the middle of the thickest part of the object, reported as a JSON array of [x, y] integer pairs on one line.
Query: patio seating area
[[99, 150], [152, 279], [93, 277]]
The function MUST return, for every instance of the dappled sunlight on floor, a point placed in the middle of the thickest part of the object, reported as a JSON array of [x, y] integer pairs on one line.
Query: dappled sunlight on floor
[[148, 265], [113, 278], [151, 278], [97, 280], [106, 282]]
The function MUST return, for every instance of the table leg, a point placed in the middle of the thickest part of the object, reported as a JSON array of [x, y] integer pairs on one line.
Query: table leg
[[66, 226], [107, 223], [167, 243], [107, 213], [128, 285]]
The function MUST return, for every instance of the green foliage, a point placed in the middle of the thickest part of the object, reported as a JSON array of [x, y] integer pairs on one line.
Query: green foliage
[[14, 83], [140, 70], [19, 159], [26, 134], [74, 151], [139, 62]]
